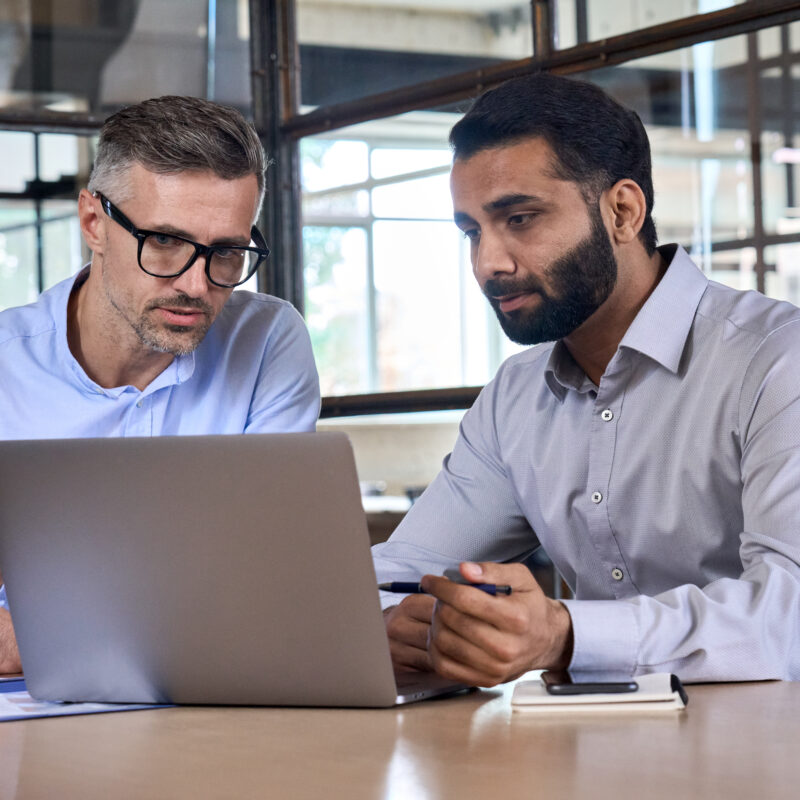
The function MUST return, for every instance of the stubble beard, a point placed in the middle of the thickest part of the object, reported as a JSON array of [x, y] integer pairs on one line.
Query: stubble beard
[[581, 281], [179, 340], [160, 337]]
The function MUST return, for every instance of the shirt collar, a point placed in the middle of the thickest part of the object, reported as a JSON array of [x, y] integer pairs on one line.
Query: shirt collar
[[562, 372], [179, 371], [659, 330], [662, 326]]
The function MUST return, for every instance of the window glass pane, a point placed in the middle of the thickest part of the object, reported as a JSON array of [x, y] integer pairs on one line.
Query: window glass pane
[[694, 104], [418, 307], [328, 163], [734, 268], [74, 55], [425, 322], [60, 156], [580, 21], [424, 197], [388, 161], [778, 105], [325, 166], [336, 301], [41, 208], [783, 281], [18, 266], [360, 47], [338, 205], [17, 158], [61, 240]]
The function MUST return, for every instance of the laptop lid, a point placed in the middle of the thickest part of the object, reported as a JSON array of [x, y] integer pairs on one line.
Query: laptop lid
[[209, 569]]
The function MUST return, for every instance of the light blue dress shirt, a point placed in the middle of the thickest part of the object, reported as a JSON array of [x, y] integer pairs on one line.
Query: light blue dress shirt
[[253, 372], [668, 496]]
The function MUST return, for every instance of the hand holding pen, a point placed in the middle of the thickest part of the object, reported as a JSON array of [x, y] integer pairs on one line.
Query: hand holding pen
[[412, 587]]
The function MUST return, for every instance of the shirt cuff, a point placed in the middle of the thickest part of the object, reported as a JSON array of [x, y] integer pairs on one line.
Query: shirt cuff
[[3, 599], [606, 636]]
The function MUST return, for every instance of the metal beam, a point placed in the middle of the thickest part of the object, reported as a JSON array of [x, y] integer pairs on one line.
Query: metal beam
[[399, 402], [755, 127], [273, 66]]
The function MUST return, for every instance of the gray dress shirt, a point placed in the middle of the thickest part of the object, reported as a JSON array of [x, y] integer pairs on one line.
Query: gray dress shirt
[[668, 496]]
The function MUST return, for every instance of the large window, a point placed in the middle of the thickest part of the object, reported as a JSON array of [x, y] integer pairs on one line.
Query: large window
[[91, 56], [40, 242], [389, 296], [355, 99]]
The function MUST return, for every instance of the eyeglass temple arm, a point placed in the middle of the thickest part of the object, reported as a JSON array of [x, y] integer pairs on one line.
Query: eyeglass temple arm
[[116, 214], [258, 238]]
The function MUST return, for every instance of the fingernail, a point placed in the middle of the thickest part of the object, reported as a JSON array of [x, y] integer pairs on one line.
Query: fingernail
[[475, 569]]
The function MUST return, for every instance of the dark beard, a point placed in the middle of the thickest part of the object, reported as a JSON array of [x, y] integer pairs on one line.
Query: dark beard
[[581, 282]]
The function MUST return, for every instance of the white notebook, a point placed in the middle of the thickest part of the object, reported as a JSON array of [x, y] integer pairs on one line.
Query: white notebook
[[659, 691]]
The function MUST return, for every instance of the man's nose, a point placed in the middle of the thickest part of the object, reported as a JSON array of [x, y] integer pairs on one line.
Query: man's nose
[[194, 281], [491, 258]]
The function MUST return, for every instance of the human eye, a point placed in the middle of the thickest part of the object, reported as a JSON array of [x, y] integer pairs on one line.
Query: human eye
[[229, 253], [521, 219], [164, 241], [473, 234]]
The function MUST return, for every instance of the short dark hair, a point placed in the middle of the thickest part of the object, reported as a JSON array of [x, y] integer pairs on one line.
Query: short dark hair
[[174, 134], [596, 141]]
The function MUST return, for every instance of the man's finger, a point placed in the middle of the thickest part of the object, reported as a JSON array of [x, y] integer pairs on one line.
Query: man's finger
[[407, 627], [518, 576], [418, 606], [409, 658]]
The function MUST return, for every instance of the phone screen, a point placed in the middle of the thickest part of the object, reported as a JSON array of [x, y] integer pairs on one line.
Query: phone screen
[[563, 682]]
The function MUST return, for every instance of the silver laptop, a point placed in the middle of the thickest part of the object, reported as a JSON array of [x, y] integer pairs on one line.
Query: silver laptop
[[210, 569]]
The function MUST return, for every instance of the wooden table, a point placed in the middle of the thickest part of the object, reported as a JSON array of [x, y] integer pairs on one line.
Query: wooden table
[[733, 741]]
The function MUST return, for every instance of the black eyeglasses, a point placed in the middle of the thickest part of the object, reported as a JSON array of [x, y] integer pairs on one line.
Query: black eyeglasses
[[164, 255]]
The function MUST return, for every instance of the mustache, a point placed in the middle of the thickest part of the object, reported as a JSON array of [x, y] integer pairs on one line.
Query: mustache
[[180, 301], [495, 288]]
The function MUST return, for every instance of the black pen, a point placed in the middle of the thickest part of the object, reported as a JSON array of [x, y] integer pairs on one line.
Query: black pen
[[409, 587]]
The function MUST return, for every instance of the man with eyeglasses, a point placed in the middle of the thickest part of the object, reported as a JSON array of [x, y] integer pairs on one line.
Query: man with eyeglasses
[[150, 339]]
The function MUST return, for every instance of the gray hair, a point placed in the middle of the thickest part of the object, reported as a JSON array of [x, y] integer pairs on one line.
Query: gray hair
[[171, 134]]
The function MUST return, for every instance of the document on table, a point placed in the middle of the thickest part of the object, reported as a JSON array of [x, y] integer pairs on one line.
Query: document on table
[[17, 704]]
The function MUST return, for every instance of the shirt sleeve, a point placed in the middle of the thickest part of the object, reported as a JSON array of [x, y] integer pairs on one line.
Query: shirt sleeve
[[3, 598], [287, 396], [469, 512], [734, 628]]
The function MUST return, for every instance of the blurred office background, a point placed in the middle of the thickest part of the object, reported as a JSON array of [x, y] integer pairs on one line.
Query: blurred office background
[[354, 100]]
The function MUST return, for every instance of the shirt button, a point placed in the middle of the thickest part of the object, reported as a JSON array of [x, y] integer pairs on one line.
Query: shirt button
[[607, 415], [139, 404], [617, 574], [596, 497]]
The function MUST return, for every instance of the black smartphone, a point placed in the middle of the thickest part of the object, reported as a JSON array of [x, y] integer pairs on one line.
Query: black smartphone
[[558, 682]]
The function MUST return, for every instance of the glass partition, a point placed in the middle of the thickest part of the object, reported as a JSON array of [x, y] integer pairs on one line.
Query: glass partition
[[390, 298], [40, 241], [73, 55], [354, 48], [695, 105], [580, 21], [421, 321]]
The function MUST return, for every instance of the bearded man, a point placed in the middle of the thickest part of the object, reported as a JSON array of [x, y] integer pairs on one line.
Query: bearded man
[[652, 447]]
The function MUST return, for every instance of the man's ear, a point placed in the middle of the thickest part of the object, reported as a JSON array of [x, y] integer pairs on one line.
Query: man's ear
[[92, 221], [627, 208]]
